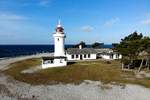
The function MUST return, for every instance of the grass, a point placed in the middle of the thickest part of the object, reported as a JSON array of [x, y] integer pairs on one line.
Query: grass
[[74, 73]]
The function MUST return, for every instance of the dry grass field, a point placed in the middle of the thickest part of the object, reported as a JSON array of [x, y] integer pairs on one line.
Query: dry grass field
[[74, 73]]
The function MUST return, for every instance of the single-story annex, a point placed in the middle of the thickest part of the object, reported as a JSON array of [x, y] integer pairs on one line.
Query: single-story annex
[[81, 54]]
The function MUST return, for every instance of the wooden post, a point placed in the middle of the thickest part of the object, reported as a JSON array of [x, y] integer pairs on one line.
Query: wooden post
[[147, 63], [122, 66], [148, 66], [141, 65]]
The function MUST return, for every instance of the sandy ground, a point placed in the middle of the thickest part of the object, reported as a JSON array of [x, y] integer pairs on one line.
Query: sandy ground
[[11, 89], [5, 62]]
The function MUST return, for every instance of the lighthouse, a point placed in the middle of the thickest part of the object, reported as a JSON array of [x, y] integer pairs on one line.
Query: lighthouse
[[59, 57], [59, 40]]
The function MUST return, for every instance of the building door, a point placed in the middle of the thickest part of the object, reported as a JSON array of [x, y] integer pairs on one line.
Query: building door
[[111, 56], [81, 57]]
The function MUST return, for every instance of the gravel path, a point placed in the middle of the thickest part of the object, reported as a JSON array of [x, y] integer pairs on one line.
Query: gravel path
[[11, 89]]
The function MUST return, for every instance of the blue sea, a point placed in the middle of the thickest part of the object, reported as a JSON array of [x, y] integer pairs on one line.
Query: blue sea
[[19, 50]]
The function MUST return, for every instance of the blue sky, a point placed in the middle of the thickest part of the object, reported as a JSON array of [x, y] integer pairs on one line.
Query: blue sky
[[34, 21]]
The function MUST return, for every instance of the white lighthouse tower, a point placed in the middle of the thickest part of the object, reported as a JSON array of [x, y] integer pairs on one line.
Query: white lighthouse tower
[[59, 39], [59, 58]]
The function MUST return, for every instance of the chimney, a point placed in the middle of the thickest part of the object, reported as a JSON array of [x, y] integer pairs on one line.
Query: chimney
[[80, 46]]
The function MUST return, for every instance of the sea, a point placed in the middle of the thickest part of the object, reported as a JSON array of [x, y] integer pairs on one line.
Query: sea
[[7, 51]]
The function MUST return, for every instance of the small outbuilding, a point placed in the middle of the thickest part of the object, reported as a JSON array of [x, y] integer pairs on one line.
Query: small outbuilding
[[108, 54], [53, 61]]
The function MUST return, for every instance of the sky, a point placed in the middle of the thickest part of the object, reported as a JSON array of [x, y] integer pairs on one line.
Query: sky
[[107, 21]]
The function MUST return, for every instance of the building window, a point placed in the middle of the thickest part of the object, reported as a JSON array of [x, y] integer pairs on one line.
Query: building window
[[89, 55], [81, 57], [72, 56], [76, 56], [84, 55], [58, 39], [52, 61], [48, 61]]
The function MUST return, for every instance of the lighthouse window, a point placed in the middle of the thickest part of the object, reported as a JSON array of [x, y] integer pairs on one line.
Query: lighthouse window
[[58, 39]]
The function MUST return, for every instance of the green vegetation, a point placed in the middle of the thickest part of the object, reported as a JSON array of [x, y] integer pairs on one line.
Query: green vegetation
[[82, 43], [131, 46], [74, 73], [97, 45]]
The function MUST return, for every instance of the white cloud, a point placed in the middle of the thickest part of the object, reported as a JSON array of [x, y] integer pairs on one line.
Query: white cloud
[[44, 3], [15, 29], [24, 3], [148, 14], [11, 17], [87, 28], [145, 22], [11, 23], [112, 21]]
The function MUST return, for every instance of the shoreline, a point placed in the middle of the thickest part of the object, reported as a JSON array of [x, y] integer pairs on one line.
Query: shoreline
[[1, 58], [5, 62]]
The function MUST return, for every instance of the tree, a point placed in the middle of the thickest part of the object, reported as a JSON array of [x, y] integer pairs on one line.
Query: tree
[[114, 45], [145, 46], [97, 45], [82, 43], [130, 47]]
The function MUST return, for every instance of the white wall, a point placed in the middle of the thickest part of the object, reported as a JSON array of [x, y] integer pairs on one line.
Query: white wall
[[57, 63], [115, 56], [106, 56], [69, 57], [120, 56], [92, 56], [59, 40]]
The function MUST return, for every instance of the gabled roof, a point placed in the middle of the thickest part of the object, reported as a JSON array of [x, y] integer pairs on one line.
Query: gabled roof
[[81, 51], [104, 50], [143, 53]]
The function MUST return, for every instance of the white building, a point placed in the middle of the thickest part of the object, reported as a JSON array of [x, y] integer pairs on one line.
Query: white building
[[75, 54], [81, 53], [59, 58], [108, 54]]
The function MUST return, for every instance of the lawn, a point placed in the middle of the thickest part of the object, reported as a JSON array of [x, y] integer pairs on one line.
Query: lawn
[[74, 73]]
